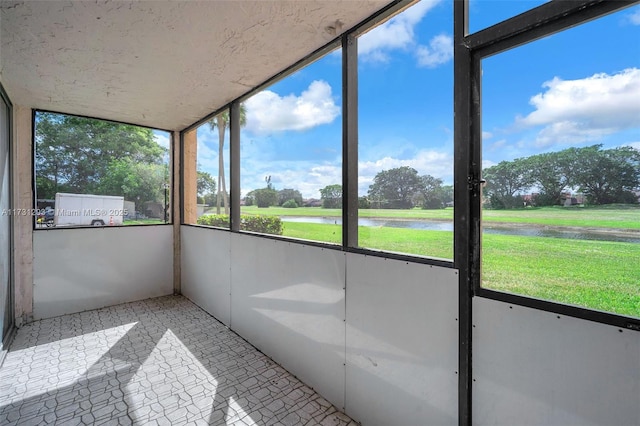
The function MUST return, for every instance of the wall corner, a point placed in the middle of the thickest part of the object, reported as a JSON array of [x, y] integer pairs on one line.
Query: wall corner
[[23, 223], [176, 212]]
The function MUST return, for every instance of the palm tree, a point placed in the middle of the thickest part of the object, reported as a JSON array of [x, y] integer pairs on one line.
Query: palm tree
[[221, 121]]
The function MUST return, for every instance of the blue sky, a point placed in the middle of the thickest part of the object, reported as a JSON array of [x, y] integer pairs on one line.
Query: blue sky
[[575, 88]]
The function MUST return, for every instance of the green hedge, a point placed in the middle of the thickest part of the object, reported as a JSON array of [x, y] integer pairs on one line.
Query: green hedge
[[290, 204], [253, 223], [218, 220]]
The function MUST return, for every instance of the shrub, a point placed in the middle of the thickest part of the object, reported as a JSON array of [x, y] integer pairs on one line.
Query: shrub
[[266, 197], [287, 194], [262, 224], [331, 197], [290, 204], [259, 223], [217, 220], [364, 203], [432, 203], [507, 202]]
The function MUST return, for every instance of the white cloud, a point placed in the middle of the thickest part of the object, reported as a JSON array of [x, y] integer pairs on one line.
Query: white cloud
[[305, 176], [635, 145], [162, 139], [207, 151], [316, 177], [488, 163], [396, 33], [575, 111], [498, 145], [439, 51], [269, 112], [487, 135], [207, 158], [570, 133], [634, 18]]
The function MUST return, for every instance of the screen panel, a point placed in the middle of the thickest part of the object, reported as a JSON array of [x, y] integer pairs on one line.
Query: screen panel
[[561, 157]]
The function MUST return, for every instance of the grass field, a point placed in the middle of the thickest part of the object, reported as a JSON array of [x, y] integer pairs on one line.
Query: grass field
[[594, 274], [614, 217], [143, 222], [600, 275]]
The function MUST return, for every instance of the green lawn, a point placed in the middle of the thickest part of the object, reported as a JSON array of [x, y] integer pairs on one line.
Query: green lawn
[[616, 217], [600, 275], [442, 214], [143, 222], [594, 274], [620, 217], [437, 244]]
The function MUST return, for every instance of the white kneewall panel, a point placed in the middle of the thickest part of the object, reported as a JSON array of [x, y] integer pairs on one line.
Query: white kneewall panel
[[81, 269], [206, 270], [402, 342], [532, 367], [287, 299]]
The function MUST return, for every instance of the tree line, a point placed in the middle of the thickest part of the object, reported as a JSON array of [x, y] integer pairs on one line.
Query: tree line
[[82, 155], [90, 156], [398, 188], [603, 176], [269, 196]]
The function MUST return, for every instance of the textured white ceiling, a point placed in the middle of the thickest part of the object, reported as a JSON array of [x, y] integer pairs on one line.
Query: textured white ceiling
[[162, 64]]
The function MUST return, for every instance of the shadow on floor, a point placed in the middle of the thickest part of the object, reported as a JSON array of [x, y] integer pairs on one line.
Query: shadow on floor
[[158, 361]]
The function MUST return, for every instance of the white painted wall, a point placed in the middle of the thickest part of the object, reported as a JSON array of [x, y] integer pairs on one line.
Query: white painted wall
[[402, 342], [387, 347], [288, 301], [81, 269], [206, 270], [532, 367]]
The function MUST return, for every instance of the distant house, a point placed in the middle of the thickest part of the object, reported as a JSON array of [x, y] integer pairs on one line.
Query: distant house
[[312, 202], [529, 199], [569, 199]]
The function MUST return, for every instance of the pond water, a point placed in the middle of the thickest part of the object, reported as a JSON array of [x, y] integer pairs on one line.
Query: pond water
[[433, 225]]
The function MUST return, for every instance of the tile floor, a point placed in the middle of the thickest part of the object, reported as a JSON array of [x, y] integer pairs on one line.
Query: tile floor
[[159, 361]]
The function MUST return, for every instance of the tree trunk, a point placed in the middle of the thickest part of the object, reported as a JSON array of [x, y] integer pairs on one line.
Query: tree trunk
[[222, 187]]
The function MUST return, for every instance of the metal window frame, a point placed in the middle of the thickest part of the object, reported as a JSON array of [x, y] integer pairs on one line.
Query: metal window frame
[[235, 140], [464, 96], [234, 166], [349, 141], [348, 41], [542, 21]]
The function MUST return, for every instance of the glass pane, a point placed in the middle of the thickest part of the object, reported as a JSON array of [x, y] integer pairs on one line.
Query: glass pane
[[485, 13], [211, 180], [291, 155], [561, 156], [406, 133], [93, 172]]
